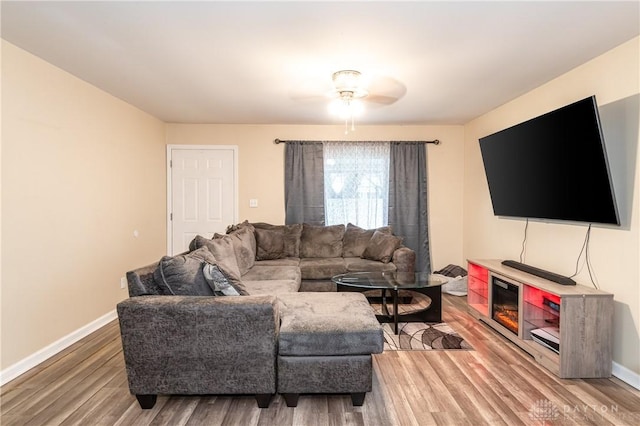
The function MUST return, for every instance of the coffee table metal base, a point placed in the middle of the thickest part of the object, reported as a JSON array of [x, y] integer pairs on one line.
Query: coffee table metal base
[[432, 313]]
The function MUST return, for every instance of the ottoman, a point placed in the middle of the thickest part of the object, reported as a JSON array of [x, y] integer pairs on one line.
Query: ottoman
[[325, 345]]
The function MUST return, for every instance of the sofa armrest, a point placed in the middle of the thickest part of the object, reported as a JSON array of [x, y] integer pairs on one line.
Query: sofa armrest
[[405, 259], [200, 344], [140, 281]]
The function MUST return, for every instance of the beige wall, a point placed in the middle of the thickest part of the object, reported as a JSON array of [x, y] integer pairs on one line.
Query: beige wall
[[81, 170], [615, 253], [261, 171]]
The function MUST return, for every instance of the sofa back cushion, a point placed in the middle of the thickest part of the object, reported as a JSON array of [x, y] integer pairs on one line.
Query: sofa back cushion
[[182, 275], [244, 246], [290, 239], [321, 241], [270, 244], [356, 239]]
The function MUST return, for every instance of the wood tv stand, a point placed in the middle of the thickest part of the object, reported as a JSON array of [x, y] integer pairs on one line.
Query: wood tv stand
[[583, 315]]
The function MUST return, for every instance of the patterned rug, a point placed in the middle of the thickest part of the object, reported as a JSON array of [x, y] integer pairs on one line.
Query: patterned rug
[[420, 336]]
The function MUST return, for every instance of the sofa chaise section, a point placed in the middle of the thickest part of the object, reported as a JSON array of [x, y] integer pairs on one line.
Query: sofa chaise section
[[325, 345]]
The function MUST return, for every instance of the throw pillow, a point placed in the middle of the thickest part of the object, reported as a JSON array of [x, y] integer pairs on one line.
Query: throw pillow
[[225, 257], [270, 244], [218, 281], [381, 247], [321, 241], [244, 245], [232, 228], [290, 234], [182, 274], [356, 239]]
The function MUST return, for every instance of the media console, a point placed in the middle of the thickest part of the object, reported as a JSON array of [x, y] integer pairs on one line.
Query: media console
[[566, 328]]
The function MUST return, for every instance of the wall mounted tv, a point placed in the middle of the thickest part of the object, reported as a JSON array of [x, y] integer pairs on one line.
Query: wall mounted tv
[[552, 167]]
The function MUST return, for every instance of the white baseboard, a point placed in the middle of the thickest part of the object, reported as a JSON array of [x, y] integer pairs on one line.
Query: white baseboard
[[43, 354], [623, 373]]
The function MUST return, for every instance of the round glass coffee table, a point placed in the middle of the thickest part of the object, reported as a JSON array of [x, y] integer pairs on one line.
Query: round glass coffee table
[[390, 284]]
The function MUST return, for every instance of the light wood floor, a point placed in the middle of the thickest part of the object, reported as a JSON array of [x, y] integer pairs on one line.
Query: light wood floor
[[496, 384]]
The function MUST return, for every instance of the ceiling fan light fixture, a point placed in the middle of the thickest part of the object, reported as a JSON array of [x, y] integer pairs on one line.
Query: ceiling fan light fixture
[[348, 81], [346, 109], [348, 92]]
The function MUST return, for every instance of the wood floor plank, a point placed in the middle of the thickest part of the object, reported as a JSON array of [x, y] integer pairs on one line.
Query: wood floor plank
[[469, 401], [176, 411], [374, 410], [494, 384], [312, 410], [135, 416], [60, 408], [277, 414], [101, 409], [499, 398]]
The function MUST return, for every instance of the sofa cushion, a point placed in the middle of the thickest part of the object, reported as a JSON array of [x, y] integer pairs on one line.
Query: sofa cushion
[[267, 287], [270, 244], [356, 239], [244, 245], [321, 241], [318, 285], [225, 257], [381, 247], [182, 275], [357, 264], [317, 269], [259, 273], [290, 235], [328, 324]]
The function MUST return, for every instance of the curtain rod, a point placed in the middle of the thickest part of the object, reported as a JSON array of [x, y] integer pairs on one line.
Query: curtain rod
[[435, 141]]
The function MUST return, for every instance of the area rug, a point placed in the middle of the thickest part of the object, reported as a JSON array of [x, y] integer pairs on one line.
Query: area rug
[[420, 336]]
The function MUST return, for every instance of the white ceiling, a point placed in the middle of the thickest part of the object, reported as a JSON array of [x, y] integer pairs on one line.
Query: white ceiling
[[247, 62]]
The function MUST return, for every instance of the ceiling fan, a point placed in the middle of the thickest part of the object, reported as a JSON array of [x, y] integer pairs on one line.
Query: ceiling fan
[[349, 90]]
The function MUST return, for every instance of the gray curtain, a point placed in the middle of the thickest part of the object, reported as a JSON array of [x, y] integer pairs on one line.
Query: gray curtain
[[304, 183], [408, 199]]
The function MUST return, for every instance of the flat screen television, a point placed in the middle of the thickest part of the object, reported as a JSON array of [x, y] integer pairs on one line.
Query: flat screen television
[[552, 167]]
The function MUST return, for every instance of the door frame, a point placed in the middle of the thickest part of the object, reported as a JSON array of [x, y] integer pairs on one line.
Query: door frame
[[170, 148]]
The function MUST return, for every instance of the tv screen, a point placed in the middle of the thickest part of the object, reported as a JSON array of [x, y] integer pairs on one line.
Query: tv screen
[[552, 167]]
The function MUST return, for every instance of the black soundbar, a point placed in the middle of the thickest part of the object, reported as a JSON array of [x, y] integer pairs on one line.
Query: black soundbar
[[560, 279]]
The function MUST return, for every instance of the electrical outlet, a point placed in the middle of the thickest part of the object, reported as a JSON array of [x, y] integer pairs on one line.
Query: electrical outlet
[[253, 202], [123, 282]]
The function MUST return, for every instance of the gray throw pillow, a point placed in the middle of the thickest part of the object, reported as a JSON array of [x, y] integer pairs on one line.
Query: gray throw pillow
[[225, 257], [270, 244], [244, 245], [356, 239], [218, 281], [290, 235], [381, 247], [321, 241], [182, 275]]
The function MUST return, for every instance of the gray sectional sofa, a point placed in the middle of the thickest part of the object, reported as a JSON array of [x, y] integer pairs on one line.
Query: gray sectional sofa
[[289, 332]]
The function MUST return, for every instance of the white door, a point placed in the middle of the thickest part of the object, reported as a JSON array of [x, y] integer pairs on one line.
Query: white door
[[202, 192]]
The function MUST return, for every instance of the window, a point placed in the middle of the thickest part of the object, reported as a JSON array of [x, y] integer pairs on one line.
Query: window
[[356, 183]]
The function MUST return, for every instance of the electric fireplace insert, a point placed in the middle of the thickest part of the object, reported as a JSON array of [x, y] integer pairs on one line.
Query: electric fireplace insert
[[504, 309]]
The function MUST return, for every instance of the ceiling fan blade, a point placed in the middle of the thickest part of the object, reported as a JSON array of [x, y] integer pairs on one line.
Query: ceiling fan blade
[[380, 99], [386, 88]]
